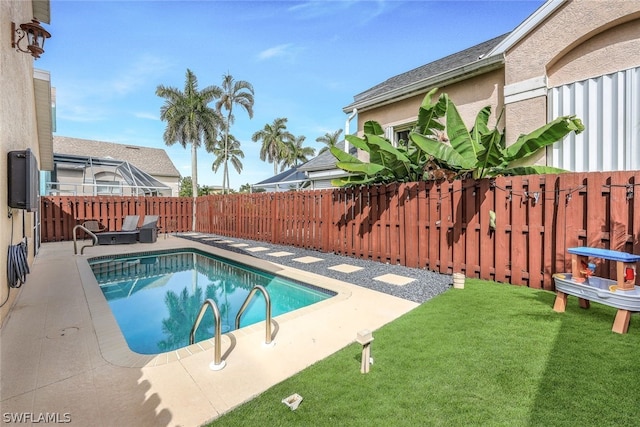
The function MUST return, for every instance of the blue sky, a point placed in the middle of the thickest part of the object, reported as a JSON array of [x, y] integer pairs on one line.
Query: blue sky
[[306, 61]]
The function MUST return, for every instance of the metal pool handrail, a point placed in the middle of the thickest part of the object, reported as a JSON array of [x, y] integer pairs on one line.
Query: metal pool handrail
[[217, 363], [93, 236], [267, 299]]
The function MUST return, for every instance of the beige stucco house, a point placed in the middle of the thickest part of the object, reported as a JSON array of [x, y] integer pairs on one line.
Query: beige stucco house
[[89, 167], [568, 57], [25, 123]]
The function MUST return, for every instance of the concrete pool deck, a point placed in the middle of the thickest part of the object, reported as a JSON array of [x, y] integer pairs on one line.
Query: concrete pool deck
[[62, 355]]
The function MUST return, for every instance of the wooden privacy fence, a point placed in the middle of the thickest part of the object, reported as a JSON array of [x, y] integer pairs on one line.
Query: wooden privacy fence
[[508, 229], [59, 214]]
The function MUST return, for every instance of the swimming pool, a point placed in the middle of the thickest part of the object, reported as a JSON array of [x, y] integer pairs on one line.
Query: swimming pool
[[155, 296]]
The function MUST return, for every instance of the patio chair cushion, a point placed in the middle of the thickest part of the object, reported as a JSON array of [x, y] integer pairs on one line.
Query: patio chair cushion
[[130, 223], [150, 221], [94, 226]]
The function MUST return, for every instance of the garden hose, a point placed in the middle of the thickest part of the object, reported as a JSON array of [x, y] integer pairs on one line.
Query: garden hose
[[17, 266]]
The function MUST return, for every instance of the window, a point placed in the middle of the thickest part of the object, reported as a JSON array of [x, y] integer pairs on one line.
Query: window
[[108, 187], [399, 134]]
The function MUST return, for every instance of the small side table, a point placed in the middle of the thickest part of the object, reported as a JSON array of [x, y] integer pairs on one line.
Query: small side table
[[148, 235]]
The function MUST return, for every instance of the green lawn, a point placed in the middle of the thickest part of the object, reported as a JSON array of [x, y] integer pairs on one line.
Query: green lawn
[[490, 354]]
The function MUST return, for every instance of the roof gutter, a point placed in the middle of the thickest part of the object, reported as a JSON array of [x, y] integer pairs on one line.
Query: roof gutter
[[346, 129], [482, 66]]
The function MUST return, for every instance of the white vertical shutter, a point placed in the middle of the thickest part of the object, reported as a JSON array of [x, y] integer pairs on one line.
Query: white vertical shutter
[[609, 107]]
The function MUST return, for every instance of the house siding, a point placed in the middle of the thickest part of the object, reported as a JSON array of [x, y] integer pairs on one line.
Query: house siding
[[470, 96], [19, 132], [573, 42]]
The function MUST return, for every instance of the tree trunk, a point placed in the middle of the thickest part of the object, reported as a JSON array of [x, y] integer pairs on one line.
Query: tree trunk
[[194, 181]]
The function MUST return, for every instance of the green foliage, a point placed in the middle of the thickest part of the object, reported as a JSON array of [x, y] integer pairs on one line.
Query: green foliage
[[331, 139], [440, 145], [232, 93], [386, 162], [189, 118], [274, 138], [294, 153], [186, 188]]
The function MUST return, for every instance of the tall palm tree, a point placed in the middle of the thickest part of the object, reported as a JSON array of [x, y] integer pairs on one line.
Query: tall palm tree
[[189, 119], [233, 93], [274, 137], [232, 153], [330, 139], [295, 153]]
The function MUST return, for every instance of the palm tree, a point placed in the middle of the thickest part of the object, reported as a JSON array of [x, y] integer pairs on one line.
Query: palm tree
[[274, 137], [295, 153], [330, 139], [189, 120], [233, 92], [232, 153]]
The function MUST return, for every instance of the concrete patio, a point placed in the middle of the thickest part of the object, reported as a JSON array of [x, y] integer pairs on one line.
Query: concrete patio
[[63, 354]]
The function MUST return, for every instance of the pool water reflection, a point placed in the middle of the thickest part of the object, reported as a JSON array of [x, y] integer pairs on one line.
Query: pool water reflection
[[155, 297]]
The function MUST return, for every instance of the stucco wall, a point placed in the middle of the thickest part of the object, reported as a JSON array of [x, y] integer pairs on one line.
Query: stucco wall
[[17, 132], [615, 49], [470, 96], [580, 39]]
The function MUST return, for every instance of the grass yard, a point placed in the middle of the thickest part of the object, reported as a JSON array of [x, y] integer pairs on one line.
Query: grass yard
[[491, 354]]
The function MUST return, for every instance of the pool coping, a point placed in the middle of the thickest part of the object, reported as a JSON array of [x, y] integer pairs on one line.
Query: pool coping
[[112, 343]]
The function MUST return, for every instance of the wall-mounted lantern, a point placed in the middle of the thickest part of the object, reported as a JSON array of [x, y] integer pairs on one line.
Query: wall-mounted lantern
[[35, 34]]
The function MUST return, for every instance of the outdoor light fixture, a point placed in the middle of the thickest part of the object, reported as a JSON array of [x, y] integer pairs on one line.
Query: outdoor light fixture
[[36, 35]]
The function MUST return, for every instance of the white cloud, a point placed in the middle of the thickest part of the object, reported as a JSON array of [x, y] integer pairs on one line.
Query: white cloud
[[314, 9], [145, 115], [283, 50], [140, 72]]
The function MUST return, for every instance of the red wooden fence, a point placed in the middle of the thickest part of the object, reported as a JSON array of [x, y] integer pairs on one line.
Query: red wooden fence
[[59, 214], [444, 227]]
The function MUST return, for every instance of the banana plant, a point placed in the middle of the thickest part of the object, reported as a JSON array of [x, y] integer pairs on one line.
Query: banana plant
[[482, 151], [449, 148], [386, 162]]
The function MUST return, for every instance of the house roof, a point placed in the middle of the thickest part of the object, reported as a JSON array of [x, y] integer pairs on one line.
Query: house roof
[[153, 161], [293, 175], [132, 175], [325, 160], [477, 59], [429, 74]]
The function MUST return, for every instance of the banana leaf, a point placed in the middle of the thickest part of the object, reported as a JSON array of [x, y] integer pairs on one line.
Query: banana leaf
[[429, 113], [373, 128], [530, 170], [357, 142], [365, 168], [526, 145], [480, 127], [352, 180], [343, 156], [459, 137], [444, 153], [491, 154]]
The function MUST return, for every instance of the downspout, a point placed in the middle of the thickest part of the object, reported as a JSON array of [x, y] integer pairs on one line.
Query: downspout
[[346, 129]]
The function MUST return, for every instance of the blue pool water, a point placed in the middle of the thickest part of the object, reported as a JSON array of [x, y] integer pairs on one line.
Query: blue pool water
[[155, 297]]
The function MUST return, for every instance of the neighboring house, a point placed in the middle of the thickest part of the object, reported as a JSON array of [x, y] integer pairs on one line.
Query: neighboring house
[[568, 57], [25, 120], [87, 167], [322, 169], [316, 174], [291, 179]]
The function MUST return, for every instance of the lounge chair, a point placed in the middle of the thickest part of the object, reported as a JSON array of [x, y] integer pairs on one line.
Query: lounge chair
[[148, 232], [128, 233], [94, 226]]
